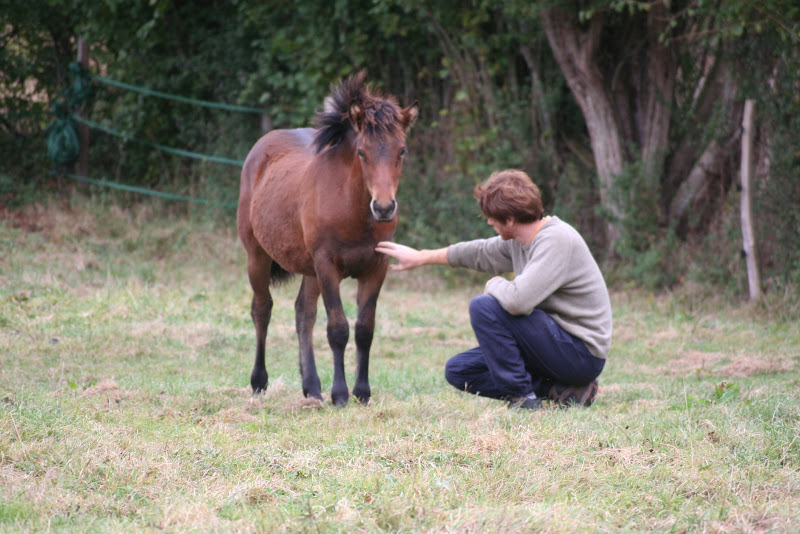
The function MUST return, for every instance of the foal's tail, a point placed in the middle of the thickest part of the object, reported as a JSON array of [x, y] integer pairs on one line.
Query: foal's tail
[[278, 275]]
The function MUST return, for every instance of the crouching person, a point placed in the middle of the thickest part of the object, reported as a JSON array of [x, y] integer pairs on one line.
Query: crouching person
[[546, 333]]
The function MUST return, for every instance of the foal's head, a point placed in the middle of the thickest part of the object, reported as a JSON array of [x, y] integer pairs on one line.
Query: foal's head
[[375, 128]]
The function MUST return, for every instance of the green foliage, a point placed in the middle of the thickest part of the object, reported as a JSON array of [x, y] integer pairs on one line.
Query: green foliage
[[773, 74], [577, 195], [777, 195], [724, 392], [717, 261], [649, 252], [491, 96], [14, 193]]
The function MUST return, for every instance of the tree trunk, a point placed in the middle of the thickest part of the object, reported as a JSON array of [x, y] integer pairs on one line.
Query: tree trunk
[[697, 172], [656, 94], [748, 235], [697, 189], [575, 53], [541, 120]]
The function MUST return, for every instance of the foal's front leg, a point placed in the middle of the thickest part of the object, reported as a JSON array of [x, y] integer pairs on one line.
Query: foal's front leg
[[368, 289], [338, 329]]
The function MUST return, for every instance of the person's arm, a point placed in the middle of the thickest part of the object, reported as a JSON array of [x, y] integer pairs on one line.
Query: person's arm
[[546, 271], [409, 258]]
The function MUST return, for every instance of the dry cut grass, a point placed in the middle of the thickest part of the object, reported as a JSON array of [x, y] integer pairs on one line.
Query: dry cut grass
[[125, 351]]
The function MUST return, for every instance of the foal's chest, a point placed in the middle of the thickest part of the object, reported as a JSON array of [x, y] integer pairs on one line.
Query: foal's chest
[[353, 260]]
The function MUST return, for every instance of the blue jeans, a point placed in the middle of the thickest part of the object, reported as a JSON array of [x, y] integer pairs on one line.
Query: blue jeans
[[519, 354]]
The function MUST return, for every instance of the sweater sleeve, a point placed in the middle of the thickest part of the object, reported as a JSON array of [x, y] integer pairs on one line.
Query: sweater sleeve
[[487, 255], [543, 274]]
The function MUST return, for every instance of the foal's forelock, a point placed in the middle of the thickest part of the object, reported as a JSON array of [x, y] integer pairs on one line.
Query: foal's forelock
[[380, 115]]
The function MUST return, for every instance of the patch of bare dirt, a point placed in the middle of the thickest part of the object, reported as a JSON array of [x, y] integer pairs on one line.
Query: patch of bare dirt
[[305, 403], [734, 365], [107, 388], [755, 365]]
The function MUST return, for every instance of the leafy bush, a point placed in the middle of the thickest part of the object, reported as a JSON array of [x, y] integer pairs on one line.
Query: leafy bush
[[649, 251]]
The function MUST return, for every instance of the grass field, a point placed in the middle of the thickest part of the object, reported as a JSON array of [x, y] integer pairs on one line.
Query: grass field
[[125, 352]]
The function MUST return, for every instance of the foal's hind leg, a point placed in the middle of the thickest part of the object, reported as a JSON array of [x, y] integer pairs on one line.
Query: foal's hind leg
[[258, 269], [305, 308]]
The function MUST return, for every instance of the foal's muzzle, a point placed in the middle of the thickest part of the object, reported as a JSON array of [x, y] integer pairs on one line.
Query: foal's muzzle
[[383, 212]]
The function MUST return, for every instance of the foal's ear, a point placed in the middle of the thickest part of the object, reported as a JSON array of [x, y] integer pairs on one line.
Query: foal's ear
[[410, 115], [356, 113]]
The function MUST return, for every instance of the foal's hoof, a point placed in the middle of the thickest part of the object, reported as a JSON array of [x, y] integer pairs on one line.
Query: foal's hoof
[[339, 401], [258, 389], [315, 396], [258, 381], [363, 396], [313, 399]]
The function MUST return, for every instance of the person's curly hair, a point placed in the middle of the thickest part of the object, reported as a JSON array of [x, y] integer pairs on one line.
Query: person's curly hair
[[510, 193]]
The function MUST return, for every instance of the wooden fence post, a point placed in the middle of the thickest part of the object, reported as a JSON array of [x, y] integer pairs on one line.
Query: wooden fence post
[[82, 165], [748, 236]]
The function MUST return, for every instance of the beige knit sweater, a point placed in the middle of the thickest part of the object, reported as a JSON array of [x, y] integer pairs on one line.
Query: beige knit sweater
[[555, 273]]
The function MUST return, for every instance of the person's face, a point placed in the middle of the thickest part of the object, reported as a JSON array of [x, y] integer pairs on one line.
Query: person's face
[[504, 229]]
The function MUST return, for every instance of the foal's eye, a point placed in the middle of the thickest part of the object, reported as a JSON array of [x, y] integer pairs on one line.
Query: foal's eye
[[403, 151], [361, 154]]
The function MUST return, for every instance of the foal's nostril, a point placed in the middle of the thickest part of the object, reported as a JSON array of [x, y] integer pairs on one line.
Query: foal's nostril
[[383, 212]]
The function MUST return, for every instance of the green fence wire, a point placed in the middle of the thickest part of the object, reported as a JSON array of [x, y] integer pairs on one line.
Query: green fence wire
[[59, 141], [145, 191], [168, 96], [176, 151]]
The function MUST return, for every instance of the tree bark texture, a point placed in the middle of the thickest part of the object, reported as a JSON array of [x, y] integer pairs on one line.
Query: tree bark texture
[[628, 105], [698, 174], [655, 94], [575, 53], [625, 82]]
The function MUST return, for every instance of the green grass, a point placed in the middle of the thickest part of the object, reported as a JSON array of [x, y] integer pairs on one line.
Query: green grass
[[125, 352]]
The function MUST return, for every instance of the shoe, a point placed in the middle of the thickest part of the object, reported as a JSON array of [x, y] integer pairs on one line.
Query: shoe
[[524, 403], [578, 395]]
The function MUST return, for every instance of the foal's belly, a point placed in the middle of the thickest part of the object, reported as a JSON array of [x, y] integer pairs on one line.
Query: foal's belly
[[293, 259], [283, 242]]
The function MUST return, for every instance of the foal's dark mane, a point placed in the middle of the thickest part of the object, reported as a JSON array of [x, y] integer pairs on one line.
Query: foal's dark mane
[[381, 113]]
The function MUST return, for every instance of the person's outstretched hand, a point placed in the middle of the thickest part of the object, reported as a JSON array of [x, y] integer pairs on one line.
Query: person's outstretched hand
[[407, 257]]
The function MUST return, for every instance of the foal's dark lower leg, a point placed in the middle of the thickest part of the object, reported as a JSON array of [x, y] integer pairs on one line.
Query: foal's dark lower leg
[[260, 311], [338, 333], [368, 290], [305, 308], [361, 389], [338, 327]]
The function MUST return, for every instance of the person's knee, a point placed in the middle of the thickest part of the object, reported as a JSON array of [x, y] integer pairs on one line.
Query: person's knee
[[453, 374], [483, 307]]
